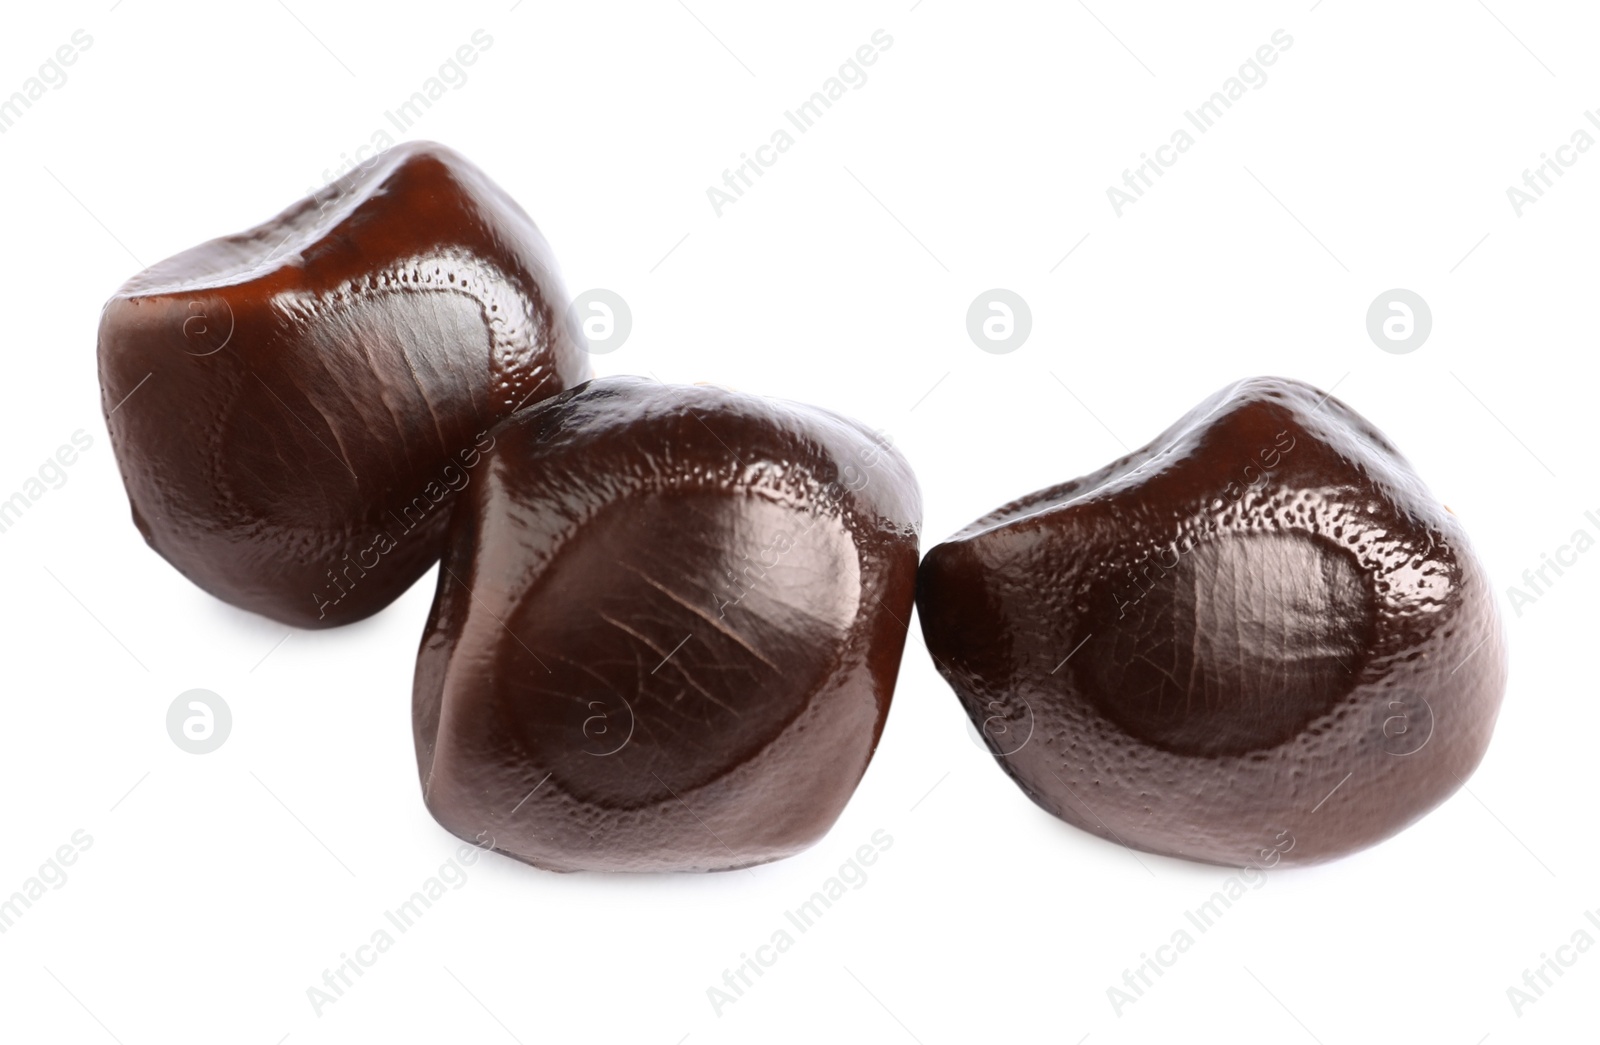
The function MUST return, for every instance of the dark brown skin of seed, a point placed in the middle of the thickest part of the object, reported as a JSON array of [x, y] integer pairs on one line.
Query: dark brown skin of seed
[[1257, 640], [667, 629], [295, 407]]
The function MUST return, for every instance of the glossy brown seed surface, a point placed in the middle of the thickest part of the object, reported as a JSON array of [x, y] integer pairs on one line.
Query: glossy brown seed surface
[[667, 629], [1257, 639], [295, 407]]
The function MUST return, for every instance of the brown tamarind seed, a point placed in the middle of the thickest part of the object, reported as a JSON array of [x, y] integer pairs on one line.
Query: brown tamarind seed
[[294, 408], [1256, 639], [667, 629]]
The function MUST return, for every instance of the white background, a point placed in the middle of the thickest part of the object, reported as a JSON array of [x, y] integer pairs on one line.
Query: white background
[[977, 155]]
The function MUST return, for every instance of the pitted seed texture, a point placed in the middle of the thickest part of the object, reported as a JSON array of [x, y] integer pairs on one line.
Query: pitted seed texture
[[1257, 638]]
